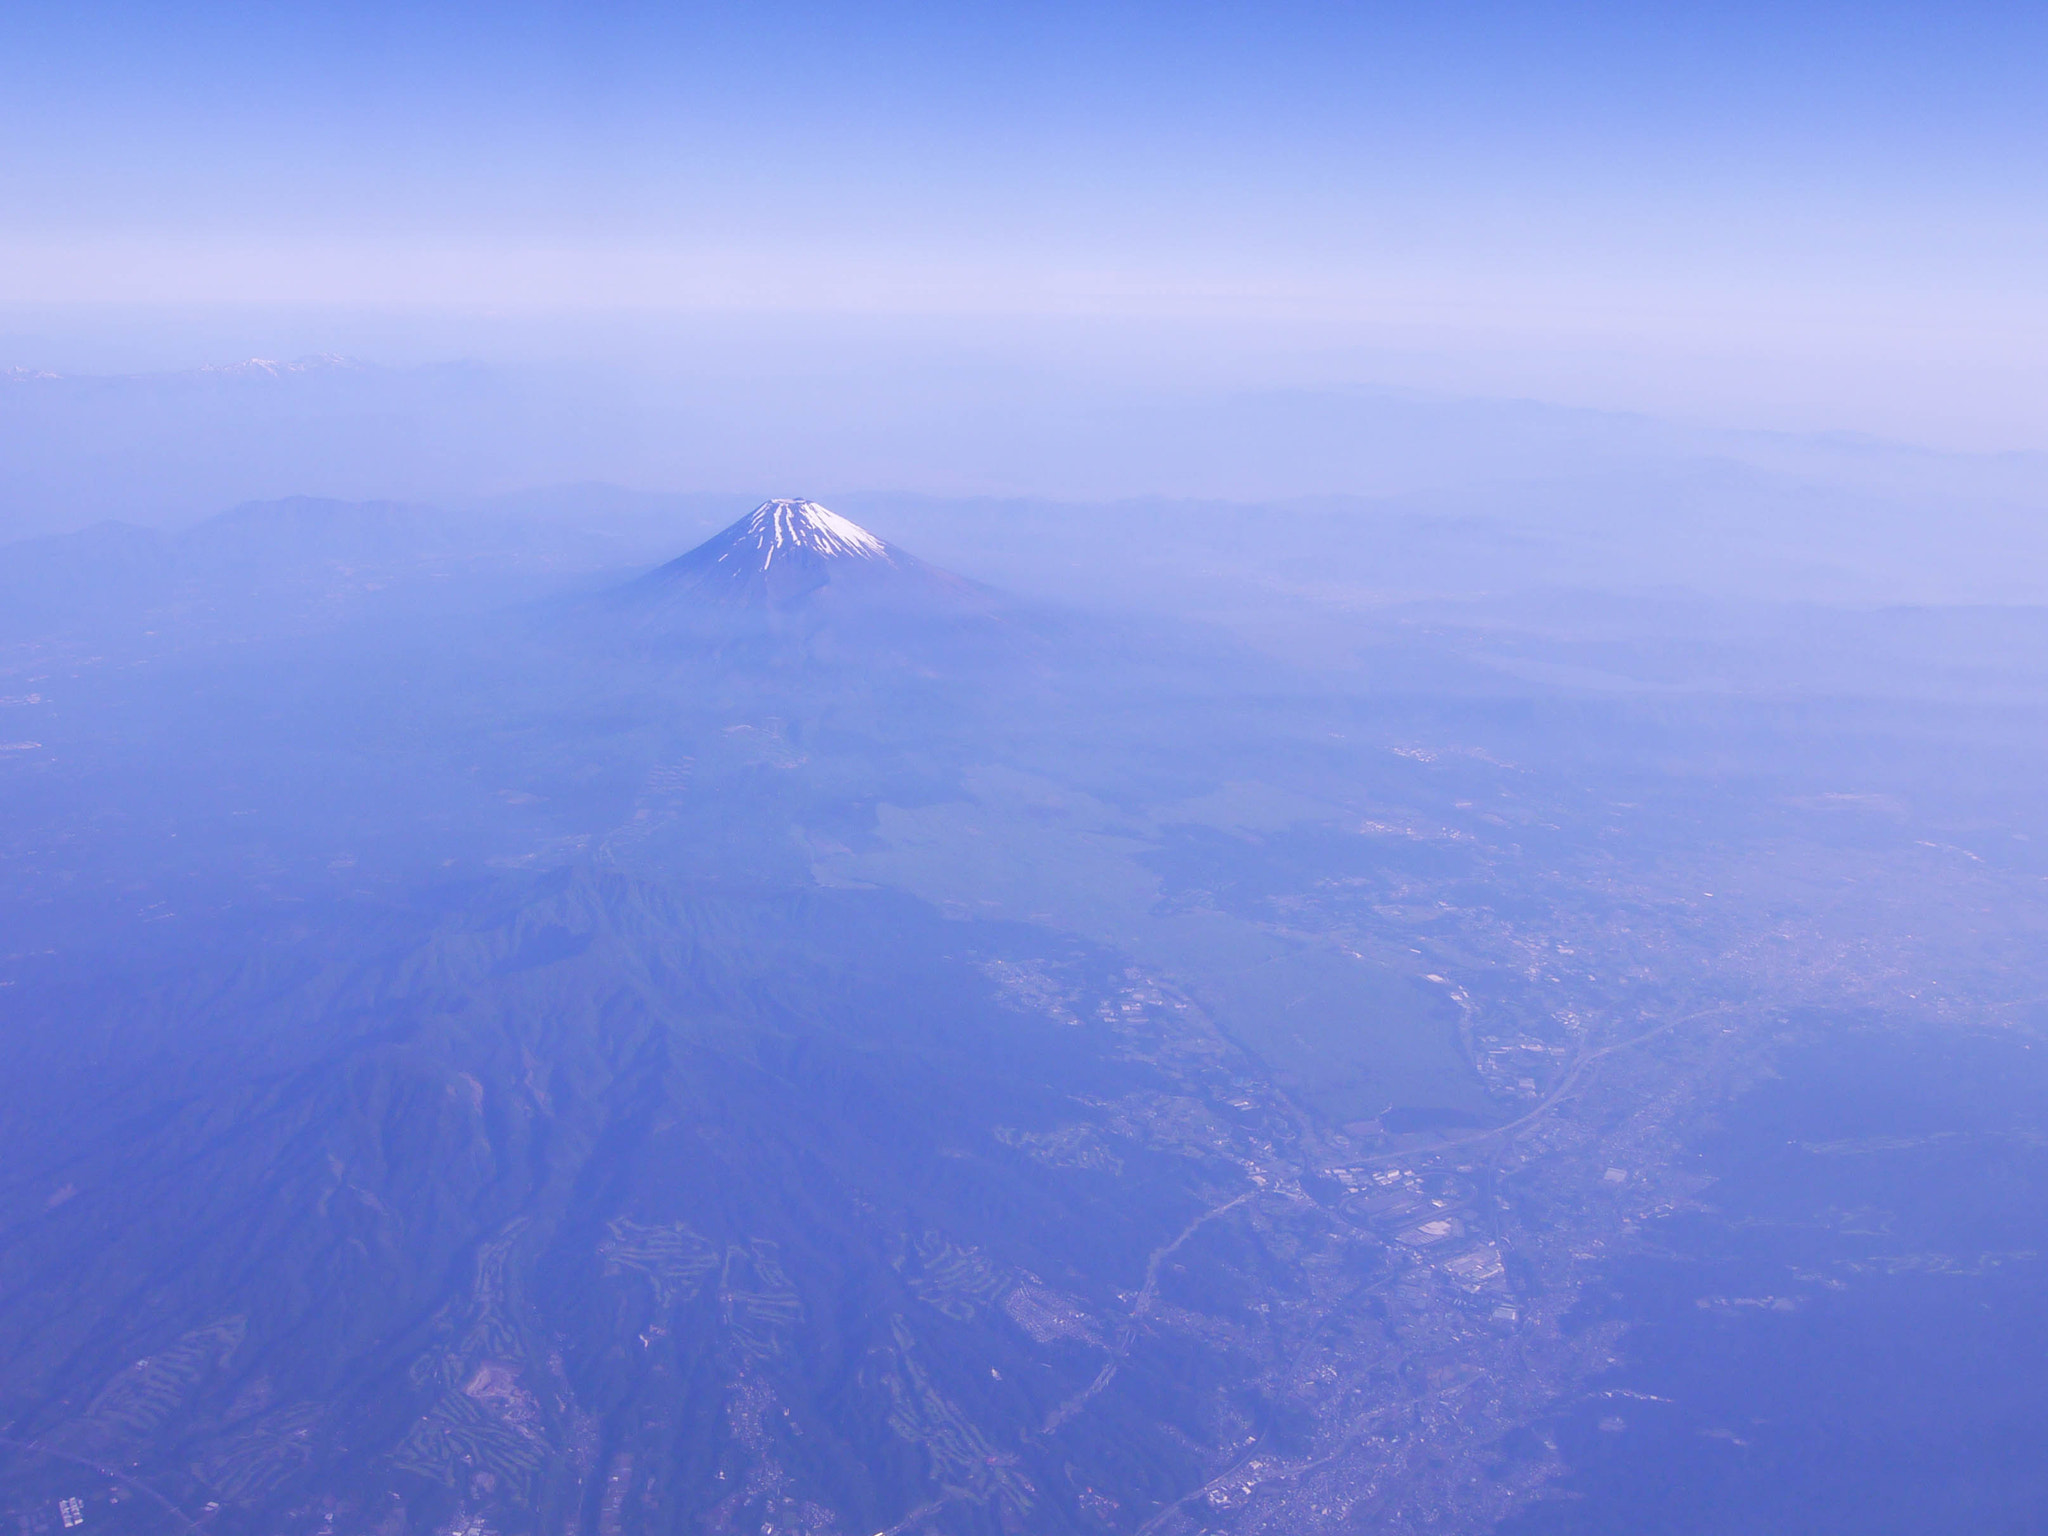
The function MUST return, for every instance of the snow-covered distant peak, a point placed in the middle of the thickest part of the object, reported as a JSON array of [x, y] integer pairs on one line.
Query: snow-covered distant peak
[[320, 362], [789, 555], [786, 526]]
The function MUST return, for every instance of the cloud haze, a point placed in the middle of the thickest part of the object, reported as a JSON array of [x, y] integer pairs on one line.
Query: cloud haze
[[1830, 221]]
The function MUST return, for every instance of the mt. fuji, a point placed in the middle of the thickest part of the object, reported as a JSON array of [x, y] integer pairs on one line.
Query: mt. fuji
[[795, 572], [787, 553]]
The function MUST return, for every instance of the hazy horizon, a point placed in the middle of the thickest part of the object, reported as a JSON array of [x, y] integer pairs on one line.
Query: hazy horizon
[[1823, 217]]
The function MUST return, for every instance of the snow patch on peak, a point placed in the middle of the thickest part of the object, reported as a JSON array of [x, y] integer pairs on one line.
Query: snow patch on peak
[[789, 524]]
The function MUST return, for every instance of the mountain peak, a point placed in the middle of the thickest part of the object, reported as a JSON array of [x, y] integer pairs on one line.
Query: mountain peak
[[787, 526], [790, 555]]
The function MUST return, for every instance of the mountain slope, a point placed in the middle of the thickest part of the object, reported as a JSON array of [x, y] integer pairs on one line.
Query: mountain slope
[[529, 1207]]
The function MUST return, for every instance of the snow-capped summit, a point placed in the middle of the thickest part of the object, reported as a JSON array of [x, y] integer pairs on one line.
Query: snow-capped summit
[[791, 554], [785, 527]]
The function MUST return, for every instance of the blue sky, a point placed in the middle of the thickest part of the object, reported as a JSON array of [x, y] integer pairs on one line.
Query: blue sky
[[1852, 191]]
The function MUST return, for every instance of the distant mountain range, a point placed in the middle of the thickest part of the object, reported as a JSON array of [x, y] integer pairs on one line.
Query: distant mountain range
[[308, 562], [1410, 493]]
